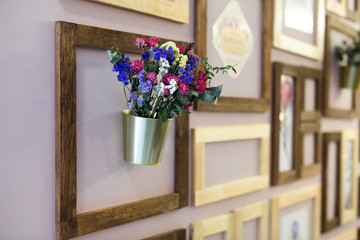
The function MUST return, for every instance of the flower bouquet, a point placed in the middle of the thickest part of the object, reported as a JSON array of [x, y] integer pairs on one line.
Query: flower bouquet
[[158, 88]]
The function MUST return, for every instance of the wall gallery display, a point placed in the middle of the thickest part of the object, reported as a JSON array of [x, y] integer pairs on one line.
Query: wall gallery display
[[296, 215], [237, 94], [205, 135], [219, 224], [299, 27], [338, 103], [175, 10], [69, 223]]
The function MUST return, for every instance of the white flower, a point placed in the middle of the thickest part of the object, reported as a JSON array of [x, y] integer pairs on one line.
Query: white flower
[[172, 86], [163, 66], [159, 89]]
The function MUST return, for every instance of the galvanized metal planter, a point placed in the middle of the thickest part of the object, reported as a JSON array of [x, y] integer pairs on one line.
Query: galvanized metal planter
[[144, 139], [350, 77]]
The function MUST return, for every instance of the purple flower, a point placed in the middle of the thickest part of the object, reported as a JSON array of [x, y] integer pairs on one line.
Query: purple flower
[[129, 105], [145, 86]]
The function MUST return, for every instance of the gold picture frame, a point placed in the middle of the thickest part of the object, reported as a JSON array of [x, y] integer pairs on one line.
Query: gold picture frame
[[200, 136], [175, 10], [348, 235], [353, 14], [293, 44], [338, 7], [214, 225]]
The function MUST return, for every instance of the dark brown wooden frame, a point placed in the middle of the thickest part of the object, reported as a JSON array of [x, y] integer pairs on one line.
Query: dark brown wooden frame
[[310, 121], [178, 234], [353, 15], [333, 23], [278, 177], [327, 225], [238, 104], [69, 224]]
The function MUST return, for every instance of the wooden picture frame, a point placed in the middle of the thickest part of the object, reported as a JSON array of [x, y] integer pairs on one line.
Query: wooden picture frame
[[337, 7], [214, 225], [348, 235], [277, 176], [310, 121], [69, 224], [329, 224], [254, 211], [200, 136], [237, 104], [333, 23], [295, 197], [178, 234], [296, 45], [348, 214], [353, 14], [176, 10]]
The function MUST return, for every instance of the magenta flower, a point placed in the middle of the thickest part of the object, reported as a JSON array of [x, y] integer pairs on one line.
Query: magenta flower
[[187, 106], [286, 93], [200, 86], [170, 76], [152, 77], [181, 48], [141, 42], [153, 41], [136, 66], [184, 88]]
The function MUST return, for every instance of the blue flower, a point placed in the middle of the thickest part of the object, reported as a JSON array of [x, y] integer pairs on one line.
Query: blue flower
[[192, 63], [145, 55], [185, 75], [129, 105], [123, 77], [159, 53], [145, 86], [133, 96]]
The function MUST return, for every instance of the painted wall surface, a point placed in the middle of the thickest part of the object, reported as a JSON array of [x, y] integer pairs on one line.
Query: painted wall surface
[[27, 125]]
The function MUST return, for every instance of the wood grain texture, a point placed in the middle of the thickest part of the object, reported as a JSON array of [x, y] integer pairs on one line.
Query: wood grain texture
[[337, 6], [69, 224], [222, 223], [237, 104], [348, 235], [333, 23], [329, 224], [179, 234]]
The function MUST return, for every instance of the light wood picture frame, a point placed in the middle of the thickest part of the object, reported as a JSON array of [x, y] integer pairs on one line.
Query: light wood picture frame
[[178, 234], [353, 14], [290, 42], [335, 24], [223, 223], [175, 10], [69, 223], [254, 211], [329, 224], [200, 136], [348, 235], [295, 197], [337, 7], [278, 174], [237, 104], [348, 175]]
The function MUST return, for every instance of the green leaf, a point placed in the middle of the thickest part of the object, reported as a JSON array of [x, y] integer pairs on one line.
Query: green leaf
[[178, 109], [194, 93], [211, 94]]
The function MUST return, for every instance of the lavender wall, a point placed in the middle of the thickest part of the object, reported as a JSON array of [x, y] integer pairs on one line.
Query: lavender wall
[[27, 138]]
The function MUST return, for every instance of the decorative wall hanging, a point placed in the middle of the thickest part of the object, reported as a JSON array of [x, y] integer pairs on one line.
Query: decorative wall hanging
[[303, 222], [299, 27], [255, 211], [179, 234], [334, 97], [223, 223], [337, 6], [69, 223], [259, 57], [353, 10], [175, 10], [330, 182], [348, 235], [200, 136]]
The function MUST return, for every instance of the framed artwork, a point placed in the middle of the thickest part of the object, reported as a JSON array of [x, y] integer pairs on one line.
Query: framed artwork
[[201, 136], [301, 223], [179, 234], [353, 10], [349, 155], [237, 39], [330, 217], [69, 223], [254, 211], [348, 235], [299, 27], [338, 103], [176, 10], [337, 6], [220, 224], [285, 122]]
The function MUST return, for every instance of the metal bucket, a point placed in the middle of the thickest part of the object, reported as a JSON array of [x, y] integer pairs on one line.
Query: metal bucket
[[144, 139], [350, 77]]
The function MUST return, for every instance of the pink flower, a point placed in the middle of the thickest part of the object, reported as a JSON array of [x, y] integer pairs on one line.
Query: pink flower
[[136, 66], [166, 92], [200, 86], [181, 48], [202, 76], [152, 77], [170, 76], [141, 42], [153, 41], [286, 93], [184, 88], [187, 106]]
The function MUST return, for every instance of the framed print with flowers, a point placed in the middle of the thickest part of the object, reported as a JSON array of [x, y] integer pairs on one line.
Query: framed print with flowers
[[175, 10], [229, 34], [69, 222], [299, 27]]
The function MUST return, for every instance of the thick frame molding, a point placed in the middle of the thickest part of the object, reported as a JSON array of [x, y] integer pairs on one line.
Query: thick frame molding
[[237, 104], [254, 211], [327, 225], [353, 15], [178, 234], [348, 235], [200, 136], [292, 198], [338, 7], [69, 224], [210, 226], [176, 10], [293, 45], [346, 215], [333, 23]]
